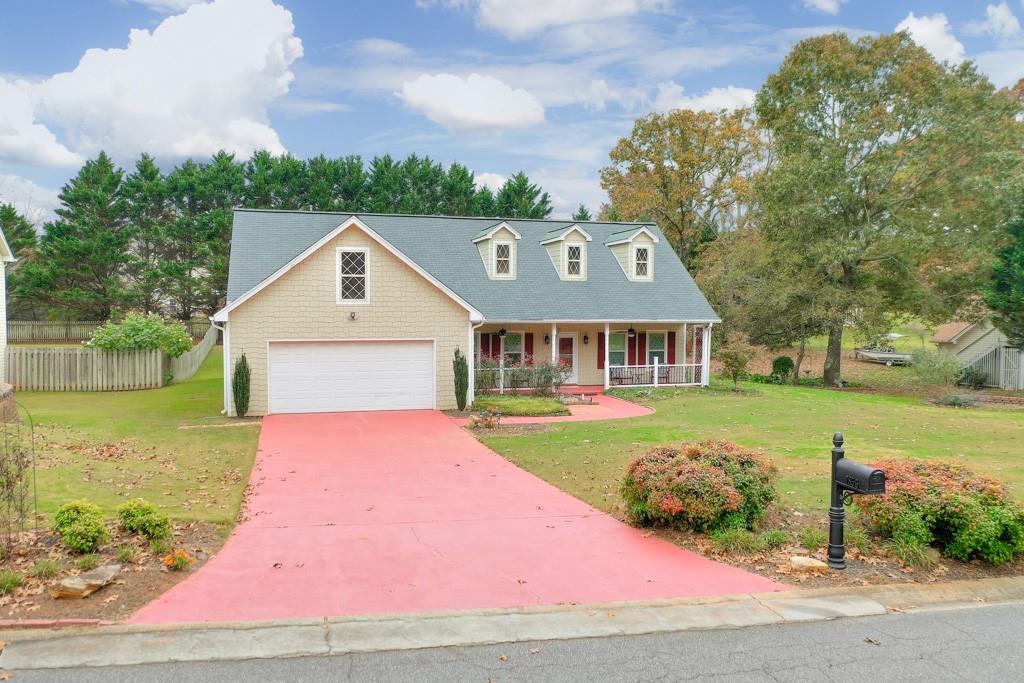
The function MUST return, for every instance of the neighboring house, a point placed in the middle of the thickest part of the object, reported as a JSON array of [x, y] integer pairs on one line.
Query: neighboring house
[[982, 346], [6, 256], [339, 312]]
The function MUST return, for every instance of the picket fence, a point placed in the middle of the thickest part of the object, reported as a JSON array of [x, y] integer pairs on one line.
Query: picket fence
[[74, 330], [40, 368]]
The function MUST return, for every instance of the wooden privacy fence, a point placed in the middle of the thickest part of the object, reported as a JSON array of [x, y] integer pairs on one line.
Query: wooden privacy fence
[[74, 330], [185, 365], [82, 369]]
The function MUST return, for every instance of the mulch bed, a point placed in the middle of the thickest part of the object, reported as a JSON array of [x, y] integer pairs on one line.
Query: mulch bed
[[140, 581]]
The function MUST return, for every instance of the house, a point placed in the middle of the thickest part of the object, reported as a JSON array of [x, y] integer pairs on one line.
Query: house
[[341, 312], [982, 346], [6, 257]]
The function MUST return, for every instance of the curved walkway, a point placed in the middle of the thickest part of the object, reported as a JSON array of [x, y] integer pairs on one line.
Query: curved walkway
[[604, 408], [361, 513]]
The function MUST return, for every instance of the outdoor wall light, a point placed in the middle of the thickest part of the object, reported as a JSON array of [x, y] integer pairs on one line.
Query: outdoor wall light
[[631, 332], [352, 315], [547, 339], [502, 332], [586, 339]]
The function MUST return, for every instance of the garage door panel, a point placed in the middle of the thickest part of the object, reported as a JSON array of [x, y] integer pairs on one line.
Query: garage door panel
[[345, 376]]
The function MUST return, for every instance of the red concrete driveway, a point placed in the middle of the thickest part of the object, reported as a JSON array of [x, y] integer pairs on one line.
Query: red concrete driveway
[[357, 513]]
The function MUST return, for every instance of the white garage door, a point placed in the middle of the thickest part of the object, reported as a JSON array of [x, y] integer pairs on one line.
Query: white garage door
[[318, 377]]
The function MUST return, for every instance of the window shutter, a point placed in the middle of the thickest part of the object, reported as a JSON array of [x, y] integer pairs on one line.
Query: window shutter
[[600, 350], [528, 345], [671, 347], [631, 351], [641, 348], [485, 345]]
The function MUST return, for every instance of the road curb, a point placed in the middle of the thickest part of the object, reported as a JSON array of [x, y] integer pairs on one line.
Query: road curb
[[123, 645]]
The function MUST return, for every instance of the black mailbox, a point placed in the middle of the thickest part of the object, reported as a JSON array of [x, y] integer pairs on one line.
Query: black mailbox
[[858, 478], [848, 478]]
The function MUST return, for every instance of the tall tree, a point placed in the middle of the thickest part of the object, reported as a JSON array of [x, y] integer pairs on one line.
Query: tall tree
[[147, 212], [20, 233], [688, 171], [458, 191], [422, 190], [1005, 293], [80, 267], [385, 185], [582, 214], [223, 183], [519, 198], [890, 171]]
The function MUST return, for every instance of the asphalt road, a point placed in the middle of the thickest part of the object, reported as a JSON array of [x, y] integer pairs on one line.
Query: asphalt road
[[984, 643]]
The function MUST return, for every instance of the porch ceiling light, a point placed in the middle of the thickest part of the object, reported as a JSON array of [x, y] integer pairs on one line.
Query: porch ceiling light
[[547, 339], [502, 332], [631, 332]]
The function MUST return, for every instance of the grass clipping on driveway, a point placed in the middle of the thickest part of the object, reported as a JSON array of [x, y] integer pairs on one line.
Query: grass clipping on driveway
[[109, 447], [520, 405]]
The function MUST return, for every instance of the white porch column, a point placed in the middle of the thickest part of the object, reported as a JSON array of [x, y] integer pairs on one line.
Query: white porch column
[[706, 360], [501, 364], [474, 344], [607, 343], [554, 343]]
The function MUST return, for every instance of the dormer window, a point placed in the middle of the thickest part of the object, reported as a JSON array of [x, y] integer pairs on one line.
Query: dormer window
[[503, 259], [641, 262], [574, 260], [567, 247]]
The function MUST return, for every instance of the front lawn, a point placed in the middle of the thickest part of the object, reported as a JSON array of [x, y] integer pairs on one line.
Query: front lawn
[[157, 444], [520, 404], [794, 426]]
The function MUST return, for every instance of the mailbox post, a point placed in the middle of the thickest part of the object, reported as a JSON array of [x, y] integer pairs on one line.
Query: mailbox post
[[848, 478]]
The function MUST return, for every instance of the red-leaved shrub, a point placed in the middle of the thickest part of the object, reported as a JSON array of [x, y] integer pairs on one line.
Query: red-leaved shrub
[[945, 505], [706, 486]]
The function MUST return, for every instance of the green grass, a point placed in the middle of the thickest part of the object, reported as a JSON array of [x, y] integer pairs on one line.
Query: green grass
[[793, 425], [517, 404], [109, 447]]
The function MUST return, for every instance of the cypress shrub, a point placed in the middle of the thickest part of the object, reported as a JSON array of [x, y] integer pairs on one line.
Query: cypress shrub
[[461, 367], [240, 386]]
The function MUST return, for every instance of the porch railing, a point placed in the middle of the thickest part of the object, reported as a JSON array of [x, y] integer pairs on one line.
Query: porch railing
[[500, 379], [656, 375]]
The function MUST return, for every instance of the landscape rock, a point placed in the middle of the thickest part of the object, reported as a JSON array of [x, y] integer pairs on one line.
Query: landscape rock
[[808, 565], [86, 584]]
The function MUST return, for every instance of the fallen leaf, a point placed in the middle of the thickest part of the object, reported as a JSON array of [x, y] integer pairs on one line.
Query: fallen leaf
[[873, 641], [503, 658], [534, 650]]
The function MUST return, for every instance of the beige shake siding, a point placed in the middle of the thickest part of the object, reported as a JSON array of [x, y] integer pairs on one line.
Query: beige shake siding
[[302, 305]]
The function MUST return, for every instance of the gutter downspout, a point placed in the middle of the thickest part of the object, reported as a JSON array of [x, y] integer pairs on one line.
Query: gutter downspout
[[227, 357], [470, 356]]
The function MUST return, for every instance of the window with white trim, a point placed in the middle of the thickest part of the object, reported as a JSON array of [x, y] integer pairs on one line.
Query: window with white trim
[[616, 349], [353, 275], [642, 262], [503, 259], [656, 347], [514, 348], [574, 261]]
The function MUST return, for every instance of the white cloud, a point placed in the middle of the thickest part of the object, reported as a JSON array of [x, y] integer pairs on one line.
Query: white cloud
[[167, 6], [518, 19], [1000, 22], [826, 6], [474, 102], [670, 96], [494, 181], [1004, 67], [23, 140], [199, 82], [934, 34], [381, 48], [33, 201]]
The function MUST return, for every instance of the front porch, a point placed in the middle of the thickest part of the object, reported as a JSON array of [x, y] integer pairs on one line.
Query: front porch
[[596, 356]]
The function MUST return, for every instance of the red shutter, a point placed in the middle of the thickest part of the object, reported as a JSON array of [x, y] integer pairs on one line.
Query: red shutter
[[600, 350], [631, 346], [671, 348], [641, 348], [528, 346], [485, 346]]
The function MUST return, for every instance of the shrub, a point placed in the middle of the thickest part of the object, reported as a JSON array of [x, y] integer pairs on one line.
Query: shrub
[[139, 331], [766, 379], [735, 355], [178, 560], [774, 539], [782, 366], [44, 569], [87, 562], [546, 378], [10, 582], [159, 546], [911, 554], [139, 517], [957, 401], [706, 486], [812, 538], [127, 554], [240, 386], [738, 540], [81, 526], [935, 369], [944, 505], [461, 369], [972, 378]]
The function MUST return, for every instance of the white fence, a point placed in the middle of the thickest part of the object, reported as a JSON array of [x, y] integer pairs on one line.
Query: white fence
[[74, 330], [185, 365], [33, 368]]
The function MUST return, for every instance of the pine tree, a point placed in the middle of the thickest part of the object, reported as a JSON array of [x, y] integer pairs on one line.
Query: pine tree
[[519, 198], [1005, 294], [240, 386], [582, 214], [146, 208], [20, 233]]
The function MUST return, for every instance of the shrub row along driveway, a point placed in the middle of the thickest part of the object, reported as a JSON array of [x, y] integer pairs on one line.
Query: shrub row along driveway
[[359, 513]]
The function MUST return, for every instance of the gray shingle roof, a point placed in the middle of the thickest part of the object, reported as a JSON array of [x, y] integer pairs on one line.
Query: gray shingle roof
[[264, 241]]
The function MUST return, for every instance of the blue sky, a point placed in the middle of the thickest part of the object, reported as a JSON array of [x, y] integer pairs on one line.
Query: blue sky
[[500, 85]]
